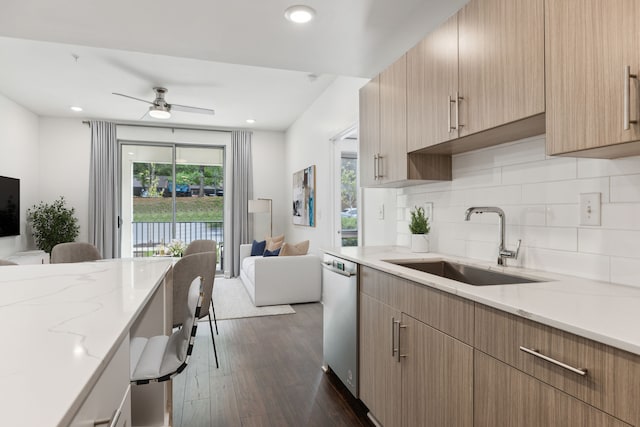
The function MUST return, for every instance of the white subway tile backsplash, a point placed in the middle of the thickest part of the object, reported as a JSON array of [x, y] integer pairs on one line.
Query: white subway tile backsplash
[[621, 216], [625, 188], [542, 171], [557, 192], [563, 215], [625, 271], [623, 243], [589, 168], [540, 197]]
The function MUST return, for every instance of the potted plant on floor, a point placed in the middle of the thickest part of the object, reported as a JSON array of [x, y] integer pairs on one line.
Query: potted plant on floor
[[52, 224], [419, 227]]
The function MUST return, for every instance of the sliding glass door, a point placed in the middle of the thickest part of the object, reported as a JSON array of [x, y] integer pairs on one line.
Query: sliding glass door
[[171, 194]]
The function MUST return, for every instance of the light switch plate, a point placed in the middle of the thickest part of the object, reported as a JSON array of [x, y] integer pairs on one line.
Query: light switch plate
[[381, 211], [590, 208]]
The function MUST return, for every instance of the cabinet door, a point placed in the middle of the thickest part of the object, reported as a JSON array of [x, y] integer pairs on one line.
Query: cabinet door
[[589, 44], [437, 377], [369, 136], [393, 122], [504, 396], [501, 48], [432, 79], [380, 373]]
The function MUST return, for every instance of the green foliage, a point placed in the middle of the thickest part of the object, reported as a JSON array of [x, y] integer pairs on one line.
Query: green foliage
[[349, 189], [349, 223], [188, 209], [52, 224], [148, 173], [419, 222]]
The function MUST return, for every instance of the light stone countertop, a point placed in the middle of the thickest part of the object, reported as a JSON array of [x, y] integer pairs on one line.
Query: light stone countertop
[[601, 311], [61, 324]]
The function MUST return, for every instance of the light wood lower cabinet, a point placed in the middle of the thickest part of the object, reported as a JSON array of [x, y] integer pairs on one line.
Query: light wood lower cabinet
[[437, 377], [380, 373], [505, 396]]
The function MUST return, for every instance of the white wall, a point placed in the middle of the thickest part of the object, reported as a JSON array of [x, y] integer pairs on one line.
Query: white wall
[[540, 197], [269, 181], [19, 159], [64, 152], [308, 143]]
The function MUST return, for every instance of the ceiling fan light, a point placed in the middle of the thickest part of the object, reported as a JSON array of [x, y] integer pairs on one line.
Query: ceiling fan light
[[300, 14], [159, 113]]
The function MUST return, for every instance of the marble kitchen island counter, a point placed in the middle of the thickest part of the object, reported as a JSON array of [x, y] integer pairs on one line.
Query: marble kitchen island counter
[[61, 324], [601, 311]]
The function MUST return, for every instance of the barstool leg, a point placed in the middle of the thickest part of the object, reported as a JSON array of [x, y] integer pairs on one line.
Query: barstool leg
[[214, 317], [215, 352]]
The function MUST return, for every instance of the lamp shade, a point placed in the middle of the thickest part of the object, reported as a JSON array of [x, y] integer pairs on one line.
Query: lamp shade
[[259, 206]]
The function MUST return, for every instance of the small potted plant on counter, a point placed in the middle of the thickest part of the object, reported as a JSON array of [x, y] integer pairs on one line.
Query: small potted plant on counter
[[419, 227]]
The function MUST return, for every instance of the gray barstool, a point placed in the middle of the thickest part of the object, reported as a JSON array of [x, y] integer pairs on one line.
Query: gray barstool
[[74, 252], [199, 246], [162, 357]]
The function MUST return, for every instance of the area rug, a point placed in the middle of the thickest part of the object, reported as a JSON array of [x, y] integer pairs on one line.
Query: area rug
[[232, 302]]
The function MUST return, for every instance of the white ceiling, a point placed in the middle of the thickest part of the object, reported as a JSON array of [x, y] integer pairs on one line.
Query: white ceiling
[[239, 57]]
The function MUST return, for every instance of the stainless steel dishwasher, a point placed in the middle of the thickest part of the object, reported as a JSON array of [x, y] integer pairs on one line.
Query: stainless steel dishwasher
[[340, 320]]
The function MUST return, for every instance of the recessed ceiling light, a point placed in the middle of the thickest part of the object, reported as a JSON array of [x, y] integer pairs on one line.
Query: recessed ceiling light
[[299, 14], [251, 121], [76, 109]]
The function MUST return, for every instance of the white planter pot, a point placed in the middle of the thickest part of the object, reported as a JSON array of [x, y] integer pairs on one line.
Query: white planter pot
[[419, 243]]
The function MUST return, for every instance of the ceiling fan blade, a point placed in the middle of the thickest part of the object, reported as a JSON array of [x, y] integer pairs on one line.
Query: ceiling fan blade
[[187, 109], [131, 97]]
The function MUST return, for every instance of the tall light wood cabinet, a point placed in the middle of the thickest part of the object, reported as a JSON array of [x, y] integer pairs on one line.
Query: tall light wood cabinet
[[501, 59], [589, 45], [369, 135], [392, 164], [380, 374], [432, 84]]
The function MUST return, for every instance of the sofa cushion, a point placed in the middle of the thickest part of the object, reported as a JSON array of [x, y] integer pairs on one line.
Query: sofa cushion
[[249, 267], [274, 243], [257, 248], [268, 253], [290, 249]]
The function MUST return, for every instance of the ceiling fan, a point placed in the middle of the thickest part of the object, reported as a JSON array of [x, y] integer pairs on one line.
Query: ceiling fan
[[160, 109]]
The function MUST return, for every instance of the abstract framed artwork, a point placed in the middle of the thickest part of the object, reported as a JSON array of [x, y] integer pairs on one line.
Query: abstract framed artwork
[[304, 197]]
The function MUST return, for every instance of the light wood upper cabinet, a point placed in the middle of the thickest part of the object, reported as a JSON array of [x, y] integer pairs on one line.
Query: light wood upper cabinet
[[432, 82], [393, 122], [501, 59], [380, 373], [589, 43], [369, 136]]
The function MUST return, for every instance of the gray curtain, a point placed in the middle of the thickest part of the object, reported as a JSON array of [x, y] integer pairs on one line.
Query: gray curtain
[[242, 191], [104, 190]]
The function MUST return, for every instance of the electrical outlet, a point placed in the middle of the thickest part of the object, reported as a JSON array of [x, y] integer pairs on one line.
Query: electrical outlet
[[381, 211], [590, 209]]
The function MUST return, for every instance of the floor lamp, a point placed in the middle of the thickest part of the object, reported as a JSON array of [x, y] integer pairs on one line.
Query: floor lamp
[[262, 206]]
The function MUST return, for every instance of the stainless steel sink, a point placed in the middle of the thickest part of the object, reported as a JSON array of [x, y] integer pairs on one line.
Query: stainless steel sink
[[465, 273]]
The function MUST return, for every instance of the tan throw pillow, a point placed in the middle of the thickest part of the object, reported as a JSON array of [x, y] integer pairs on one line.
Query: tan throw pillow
[[274, 243], [289, 249]]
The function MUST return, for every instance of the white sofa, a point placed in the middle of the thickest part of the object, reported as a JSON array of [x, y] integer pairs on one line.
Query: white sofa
[[280, 279]]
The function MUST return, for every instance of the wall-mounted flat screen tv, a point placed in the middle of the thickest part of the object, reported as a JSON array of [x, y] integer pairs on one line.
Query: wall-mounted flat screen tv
[[9, 206]]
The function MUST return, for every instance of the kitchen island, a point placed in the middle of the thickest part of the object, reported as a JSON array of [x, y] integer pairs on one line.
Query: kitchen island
[[65, 325]]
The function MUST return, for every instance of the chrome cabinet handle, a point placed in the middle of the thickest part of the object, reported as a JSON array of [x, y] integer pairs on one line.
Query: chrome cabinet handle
[[380, 175], [627, 97], [458, 99], [400, 326], [449, 128], [393, 336], [375, 166], [536, 353]]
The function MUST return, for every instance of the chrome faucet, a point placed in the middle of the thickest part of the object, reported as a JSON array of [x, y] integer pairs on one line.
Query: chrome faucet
[[503, 252]]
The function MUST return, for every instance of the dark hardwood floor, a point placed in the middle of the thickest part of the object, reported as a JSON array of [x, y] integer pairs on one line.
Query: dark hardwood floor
[[270, 375]]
